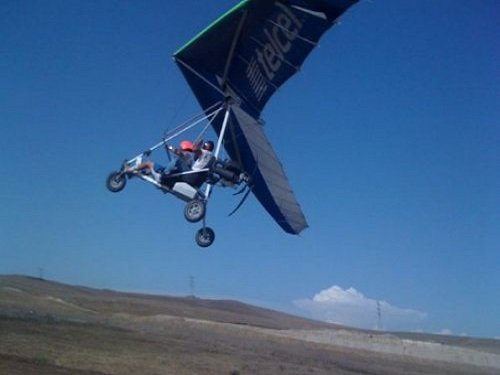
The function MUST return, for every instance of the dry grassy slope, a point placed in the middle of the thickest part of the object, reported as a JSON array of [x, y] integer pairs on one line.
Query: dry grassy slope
[[52, 328], [47, 297]]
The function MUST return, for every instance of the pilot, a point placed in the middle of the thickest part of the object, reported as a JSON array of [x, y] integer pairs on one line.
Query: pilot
[[181, 163], [184, 158]]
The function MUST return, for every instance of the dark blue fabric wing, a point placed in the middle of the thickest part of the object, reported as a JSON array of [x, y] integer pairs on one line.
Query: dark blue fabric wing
[[248, 54]]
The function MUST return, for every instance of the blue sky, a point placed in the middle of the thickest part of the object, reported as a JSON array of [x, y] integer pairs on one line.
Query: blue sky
[[389, 137]]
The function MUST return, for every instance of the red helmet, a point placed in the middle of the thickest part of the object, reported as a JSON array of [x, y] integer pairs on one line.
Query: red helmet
[[186, 146]]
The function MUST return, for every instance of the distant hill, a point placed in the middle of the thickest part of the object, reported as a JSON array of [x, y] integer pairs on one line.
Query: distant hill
[[42, 297], [49, 328]]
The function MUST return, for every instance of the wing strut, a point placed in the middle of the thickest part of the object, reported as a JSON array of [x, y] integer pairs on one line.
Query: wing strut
[[233, 47], [219, 141], [187, 66], [229, 60]]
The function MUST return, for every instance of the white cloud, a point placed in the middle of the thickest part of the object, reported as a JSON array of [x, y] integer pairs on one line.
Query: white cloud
[[350, 307]]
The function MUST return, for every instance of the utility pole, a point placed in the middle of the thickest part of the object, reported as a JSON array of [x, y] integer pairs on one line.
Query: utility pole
[[191, 286], [379, 316]]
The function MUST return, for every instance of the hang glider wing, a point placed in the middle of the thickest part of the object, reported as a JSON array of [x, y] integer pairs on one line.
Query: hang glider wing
[[247, 54]]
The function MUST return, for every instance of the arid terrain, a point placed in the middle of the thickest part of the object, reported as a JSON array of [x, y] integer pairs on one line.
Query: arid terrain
[[52, 328]]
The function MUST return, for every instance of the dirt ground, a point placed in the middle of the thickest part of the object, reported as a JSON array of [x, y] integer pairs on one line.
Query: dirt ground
[[48, 328], [177, 347]]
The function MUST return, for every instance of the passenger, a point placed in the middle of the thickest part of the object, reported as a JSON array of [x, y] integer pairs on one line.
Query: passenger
[[203, 155]]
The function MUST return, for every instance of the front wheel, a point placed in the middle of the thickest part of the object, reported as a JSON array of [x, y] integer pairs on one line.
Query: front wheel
[[116, 182], [205, 237], [194, 210]]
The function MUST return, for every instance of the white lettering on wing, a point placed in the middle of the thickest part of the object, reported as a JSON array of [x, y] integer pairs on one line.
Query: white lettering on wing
[[268, 58]]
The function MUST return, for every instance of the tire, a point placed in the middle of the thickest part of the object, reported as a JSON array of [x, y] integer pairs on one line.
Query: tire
[[116, 182], [205, 237], [194, 211]]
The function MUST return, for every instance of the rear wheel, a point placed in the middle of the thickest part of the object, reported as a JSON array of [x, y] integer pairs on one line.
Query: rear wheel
[[205, 237], [194, 211], [116, 182]]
